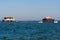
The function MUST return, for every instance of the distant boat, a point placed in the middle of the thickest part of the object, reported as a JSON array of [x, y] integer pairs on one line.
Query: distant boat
[[8, 19], [48, 19]]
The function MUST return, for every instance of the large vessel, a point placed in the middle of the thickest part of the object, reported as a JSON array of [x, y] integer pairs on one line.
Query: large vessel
[[48, 19], [8, 19]]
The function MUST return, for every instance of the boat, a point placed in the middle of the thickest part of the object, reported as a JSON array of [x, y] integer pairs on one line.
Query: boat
[[48, 19], [8, 19]]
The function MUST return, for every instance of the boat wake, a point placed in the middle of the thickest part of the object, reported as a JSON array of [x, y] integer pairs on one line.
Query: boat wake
[[55, 21], [45, 22], [40, 22]]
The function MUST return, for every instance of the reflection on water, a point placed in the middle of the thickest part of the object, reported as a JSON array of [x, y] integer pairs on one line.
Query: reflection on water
[[29, 31]]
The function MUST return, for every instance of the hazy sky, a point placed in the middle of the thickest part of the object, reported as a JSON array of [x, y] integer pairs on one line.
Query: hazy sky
[[30, 9]]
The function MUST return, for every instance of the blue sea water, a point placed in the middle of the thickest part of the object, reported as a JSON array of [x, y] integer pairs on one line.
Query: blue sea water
[[29, 30]]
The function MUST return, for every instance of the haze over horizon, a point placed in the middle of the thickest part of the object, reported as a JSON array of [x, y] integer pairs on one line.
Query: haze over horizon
[[30, 9]]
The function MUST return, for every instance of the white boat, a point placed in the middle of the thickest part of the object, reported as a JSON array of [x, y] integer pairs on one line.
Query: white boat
[[9, 19]]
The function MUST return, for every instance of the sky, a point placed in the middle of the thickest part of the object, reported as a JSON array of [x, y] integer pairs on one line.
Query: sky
[[30, 9]]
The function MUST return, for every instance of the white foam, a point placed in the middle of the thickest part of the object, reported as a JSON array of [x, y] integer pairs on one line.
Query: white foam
[[40, 22], [55, 21]]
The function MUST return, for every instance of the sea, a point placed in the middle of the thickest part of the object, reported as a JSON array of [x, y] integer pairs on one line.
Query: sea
[[29, 30]]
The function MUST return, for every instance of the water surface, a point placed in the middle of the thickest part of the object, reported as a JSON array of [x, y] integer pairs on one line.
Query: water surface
[[29, 30]]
